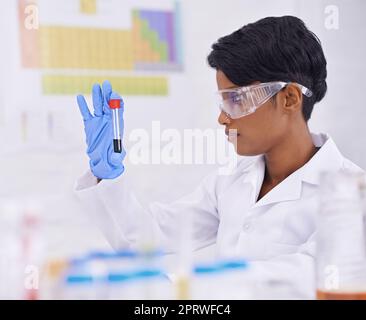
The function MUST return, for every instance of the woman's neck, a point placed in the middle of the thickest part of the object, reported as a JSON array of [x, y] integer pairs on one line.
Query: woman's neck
[[290, 155]]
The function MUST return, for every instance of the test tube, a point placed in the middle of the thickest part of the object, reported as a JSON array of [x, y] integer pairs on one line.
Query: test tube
[[115, 105]]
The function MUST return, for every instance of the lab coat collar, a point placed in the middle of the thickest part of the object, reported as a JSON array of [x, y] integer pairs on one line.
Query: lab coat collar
[[328, 158]]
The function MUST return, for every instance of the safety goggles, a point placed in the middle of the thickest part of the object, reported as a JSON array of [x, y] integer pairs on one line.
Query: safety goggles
[[242, 101]]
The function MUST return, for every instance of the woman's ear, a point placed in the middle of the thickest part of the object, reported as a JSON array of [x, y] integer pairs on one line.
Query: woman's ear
[[293, 97]]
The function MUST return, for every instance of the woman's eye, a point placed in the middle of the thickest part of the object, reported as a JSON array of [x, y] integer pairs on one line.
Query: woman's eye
[[235, 98]]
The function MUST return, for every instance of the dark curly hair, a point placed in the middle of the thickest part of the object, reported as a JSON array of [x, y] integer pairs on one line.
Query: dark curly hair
[[274, 49]]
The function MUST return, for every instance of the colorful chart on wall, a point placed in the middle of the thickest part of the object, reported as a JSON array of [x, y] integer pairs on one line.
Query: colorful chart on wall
[[135, 44]]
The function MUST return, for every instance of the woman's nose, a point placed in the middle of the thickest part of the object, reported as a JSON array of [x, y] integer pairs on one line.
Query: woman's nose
[[223, 119]]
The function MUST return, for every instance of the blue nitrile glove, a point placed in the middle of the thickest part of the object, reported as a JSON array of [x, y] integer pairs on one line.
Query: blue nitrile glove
[[104, 162]]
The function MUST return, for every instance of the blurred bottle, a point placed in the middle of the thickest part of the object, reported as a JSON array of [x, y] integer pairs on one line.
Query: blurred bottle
[[221, 280], [22, 250], [120, 275], [84, 279], [341, 241], [53, 272], [137, 275], [183, 241], [33, 248], [139, 284], [363, 203], [80, 287], [11, 269]]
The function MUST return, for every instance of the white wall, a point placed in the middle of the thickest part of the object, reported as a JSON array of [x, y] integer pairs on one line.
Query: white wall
[[50, 171]]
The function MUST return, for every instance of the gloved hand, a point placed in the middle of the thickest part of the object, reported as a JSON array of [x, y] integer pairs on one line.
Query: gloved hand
[[104, 162]]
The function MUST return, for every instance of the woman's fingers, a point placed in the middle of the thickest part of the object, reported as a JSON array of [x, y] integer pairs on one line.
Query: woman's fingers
[[107, 91], [83, 107], [97, 100]]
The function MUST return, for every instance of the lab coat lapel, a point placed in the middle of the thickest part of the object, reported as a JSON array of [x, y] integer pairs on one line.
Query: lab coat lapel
[[289, 189]]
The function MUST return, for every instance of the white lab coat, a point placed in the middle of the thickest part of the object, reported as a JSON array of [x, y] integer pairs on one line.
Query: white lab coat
[[276, 234]]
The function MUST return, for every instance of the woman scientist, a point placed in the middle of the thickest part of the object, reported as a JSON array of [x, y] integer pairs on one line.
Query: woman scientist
[[269, 74]]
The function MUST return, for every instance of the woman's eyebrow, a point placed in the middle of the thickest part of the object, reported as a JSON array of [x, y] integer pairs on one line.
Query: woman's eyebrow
[[232, 87]]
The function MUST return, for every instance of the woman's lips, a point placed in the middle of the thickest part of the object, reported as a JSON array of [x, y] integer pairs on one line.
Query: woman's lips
[[232, 132], [232, 135]]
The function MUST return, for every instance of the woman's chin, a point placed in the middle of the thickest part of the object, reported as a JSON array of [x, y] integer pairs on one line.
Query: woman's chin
[[244, 150]]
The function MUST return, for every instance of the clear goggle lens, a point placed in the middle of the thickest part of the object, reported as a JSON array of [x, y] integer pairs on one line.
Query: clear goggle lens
[[243, 101]]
